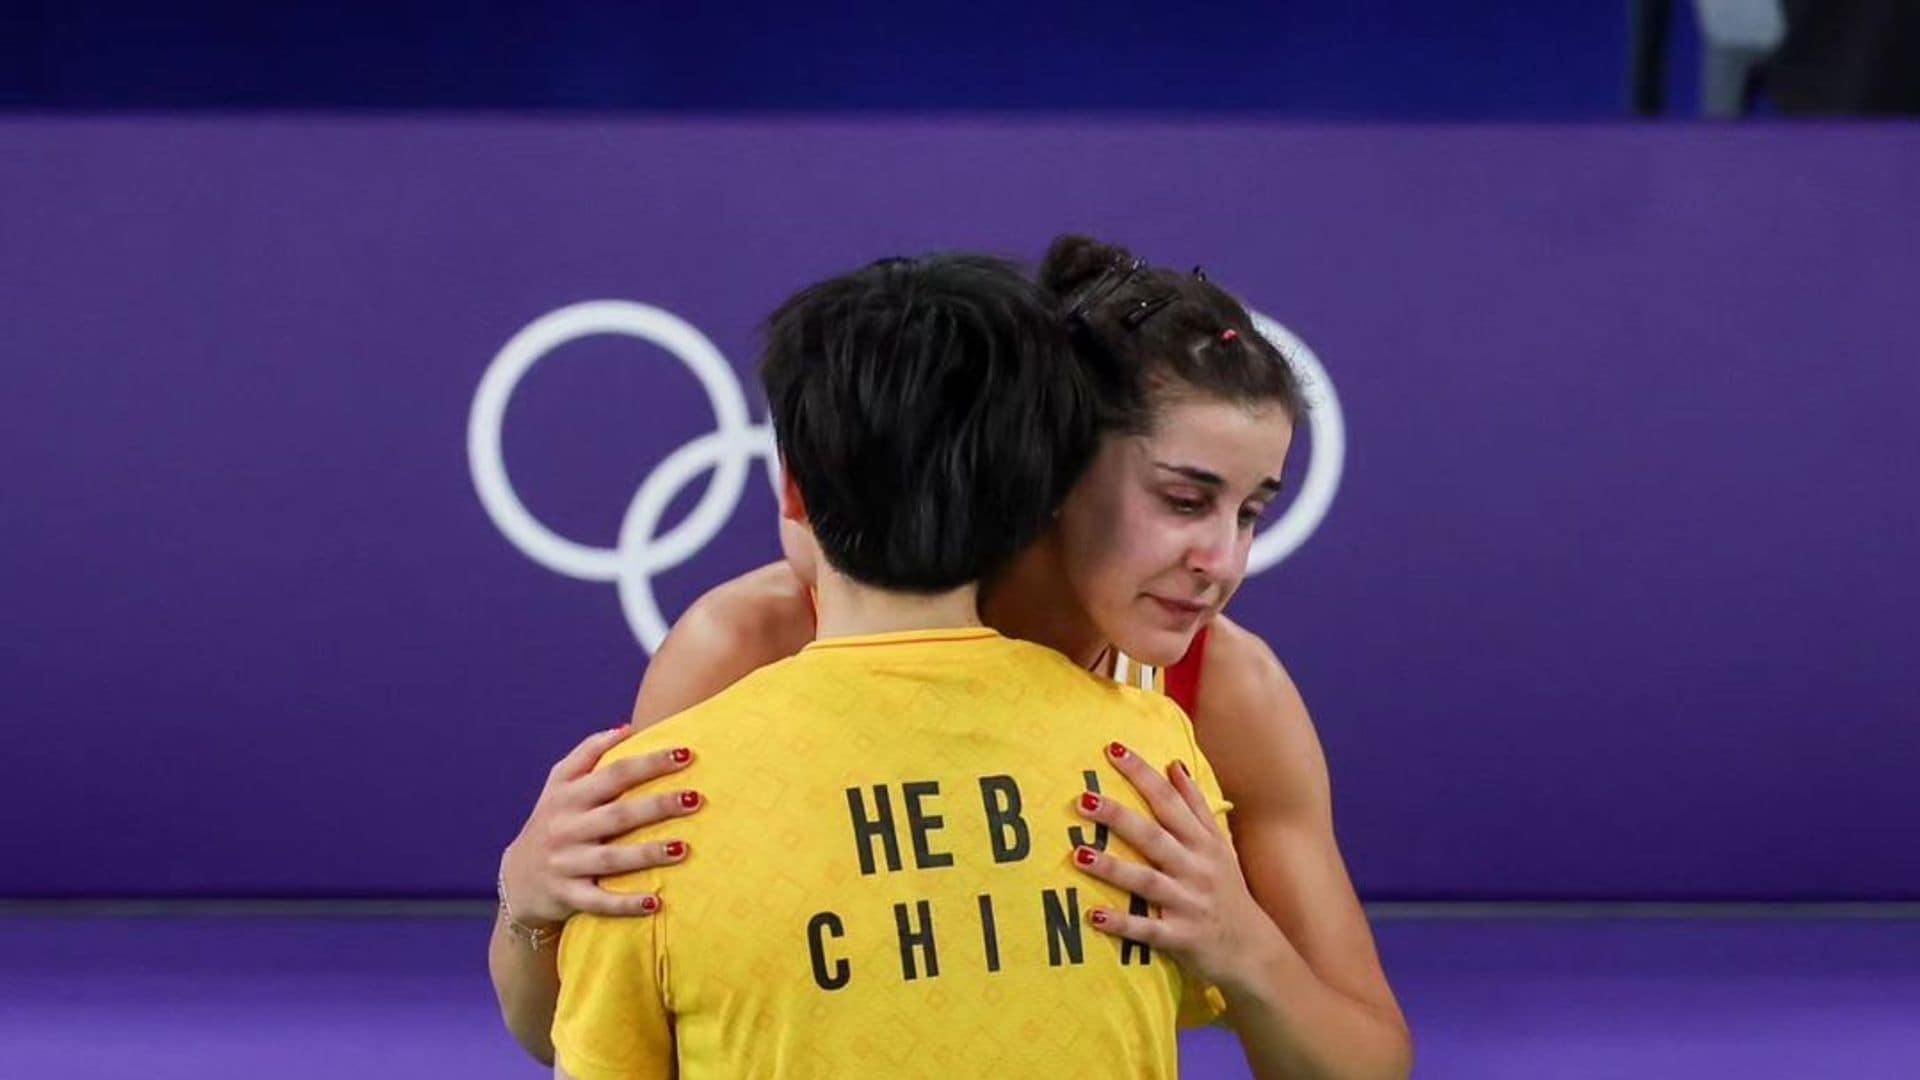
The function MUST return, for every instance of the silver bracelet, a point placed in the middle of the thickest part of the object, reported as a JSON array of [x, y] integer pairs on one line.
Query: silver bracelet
[[536, 938]]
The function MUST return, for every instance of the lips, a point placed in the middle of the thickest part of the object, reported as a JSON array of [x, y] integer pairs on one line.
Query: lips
[[1184, 609]]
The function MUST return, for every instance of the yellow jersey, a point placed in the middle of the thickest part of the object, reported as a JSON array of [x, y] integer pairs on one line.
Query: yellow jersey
[[883, 885]]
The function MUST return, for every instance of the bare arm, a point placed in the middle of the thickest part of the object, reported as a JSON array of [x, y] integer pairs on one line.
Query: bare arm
[[749, 622], [1327, 1010]]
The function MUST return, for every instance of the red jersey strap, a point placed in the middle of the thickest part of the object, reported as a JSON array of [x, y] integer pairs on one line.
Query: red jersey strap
[[1183, 678]]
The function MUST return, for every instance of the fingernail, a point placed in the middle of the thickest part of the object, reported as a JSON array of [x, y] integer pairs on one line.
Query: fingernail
[[649, 904], [1097, 918], [1084, 856], [1182, 766], [1089, 802], [681, 756], [675, 849], [1116, 751], [689, 799]]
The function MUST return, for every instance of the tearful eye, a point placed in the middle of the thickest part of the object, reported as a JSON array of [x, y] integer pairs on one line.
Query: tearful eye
[[1187, 507]]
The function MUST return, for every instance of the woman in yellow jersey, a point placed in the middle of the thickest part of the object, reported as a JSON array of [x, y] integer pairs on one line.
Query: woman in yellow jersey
[[1148, 548]]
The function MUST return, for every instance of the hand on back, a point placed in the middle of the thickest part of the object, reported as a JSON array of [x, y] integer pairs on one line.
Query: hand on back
[[551, 869]]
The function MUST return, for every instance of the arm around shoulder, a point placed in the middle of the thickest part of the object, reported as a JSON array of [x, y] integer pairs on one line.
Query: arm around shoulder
[[746, 623], [1253, 725]]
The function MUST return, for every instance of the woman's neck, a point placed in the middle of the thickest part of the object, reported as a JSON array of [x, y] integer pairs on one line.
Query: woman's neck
[[1033, 600]]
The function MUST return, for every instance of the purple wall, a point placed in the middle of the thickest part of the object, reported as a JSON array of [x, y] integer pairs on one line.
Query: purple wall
[[1609, 603]]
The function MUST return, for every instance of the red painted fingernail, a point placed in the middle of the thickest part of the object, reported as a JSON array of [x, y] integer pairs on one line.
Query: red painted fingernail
[[675, 849], [1089, 802], [1116, 751], [681, 756], [1084, 856], [1097, 918], [649, 904], [689, 799]]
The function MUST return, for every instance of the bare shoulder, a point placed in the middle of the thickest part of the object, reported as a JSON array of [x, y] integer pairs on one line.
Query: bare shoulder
[[741, 625], [766, 610], [1255, 729], [1253, 726]]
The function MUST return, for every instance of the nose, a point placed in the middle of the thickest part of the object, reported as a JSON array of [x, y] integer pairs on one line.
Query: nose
[[1210, 556]]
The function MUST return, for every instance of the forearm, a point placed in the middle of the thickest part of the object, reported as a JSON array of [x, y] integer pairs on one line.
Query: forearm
[[527, 983], [1293, 1025]]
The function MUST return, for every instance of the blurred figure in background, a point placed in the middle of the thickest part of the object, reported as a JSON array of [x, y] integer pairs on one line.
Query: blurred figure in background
[[1845, 57]]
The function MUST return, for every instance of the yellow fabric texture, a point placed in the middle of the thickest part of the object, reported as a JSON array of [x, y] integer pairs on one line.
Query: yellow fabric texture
[[881, 884]]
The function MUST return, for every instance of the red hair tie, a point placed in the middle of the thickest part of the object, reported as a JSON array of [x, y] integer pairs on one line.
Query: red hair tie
[[1229, 334]]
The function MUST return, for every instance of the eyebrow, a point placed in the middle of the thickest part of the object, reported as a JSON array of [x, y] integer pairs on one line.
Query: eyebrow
[[1270, 485]]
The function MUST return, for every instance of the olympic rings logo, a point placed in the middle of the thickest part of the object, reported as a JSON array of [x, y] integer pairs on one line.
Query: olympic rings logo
[[729, 452]]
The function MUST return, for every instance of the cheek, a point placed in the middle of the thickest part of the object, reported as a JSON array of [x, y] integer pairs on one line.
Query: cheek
[[1085, 529], [1109, 551], [1151, 543], [1090, 525], [1097, 556]]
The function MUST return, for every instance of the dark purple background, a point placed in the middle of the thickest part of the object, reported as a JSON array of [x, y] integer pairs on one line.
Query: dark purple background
[[1613, 601]]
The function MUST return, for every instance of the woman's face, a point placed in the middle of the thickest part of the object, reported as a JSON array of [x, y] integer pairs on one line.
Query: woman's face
[[1155, 536]]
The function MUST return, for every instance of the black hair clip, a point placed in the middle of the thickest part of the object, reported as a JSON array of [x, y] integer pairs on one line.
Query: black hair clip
[[1110, 281], [1144, 310], [1199, 274]]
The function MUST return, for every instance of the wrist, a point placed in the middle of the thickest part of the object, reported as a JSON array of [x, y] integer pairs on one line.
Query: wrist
[[1258, 970], [527, 923]]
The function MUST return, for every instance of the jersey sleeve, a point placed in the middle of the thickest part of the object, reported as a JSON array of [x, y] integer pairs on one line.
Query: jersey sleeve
[[1201, 1004], [612, 1017]]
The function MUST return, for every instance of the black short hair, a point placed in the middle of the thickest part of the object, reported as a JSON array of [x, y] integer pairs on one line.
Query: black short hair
[[933, 413]]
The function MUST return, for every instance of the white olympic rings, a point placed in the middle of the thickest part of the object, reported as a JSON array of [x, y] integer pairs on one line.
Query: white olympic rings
[[728, 452]]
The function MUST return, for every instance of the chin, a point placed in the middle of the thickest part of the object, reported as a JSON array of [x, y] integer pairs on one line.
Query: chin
[[1157, 645]]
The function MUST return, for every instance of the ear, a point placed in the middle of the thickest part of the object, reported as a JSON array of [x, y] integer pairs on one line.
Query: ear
[[792, 506]]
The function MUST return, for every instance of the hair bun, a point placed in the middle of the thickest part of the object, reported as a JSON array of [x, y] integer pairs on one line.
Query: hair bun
[[1072, 263]]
